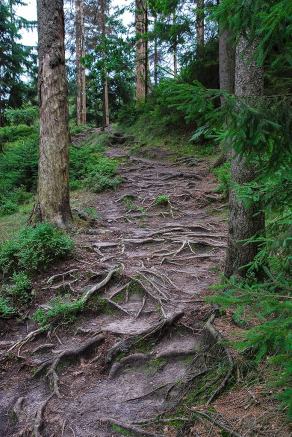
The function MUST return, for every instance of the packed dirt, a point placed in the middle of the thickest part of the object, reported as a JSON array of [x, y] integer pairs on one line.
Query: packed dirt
[[147, 338]]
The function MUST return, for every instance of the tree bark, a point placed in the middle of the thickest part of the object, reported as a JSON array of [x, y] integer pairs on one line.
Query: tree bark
[[200, 26], [80, 70], [52, 203], [174, 49], [226, 62], [244, 222], [141, 51], [106, 114]]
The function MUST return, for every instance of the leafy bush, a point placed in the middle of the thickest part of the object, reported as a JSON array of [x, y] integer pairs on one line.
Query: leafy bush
[[102, 175], [223, 174], [5, 309], [20, 288], [162, 200], [24, 115], [60, 310], [10, 134], [90, 169], [34, 248]]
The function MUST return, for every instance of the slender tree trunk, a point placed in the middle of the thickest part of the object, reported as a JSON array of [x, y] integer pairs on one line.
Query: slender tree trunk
[[141, 51], [174, 50], [53, 182], [80, 70], [106, 115], [155, 57], [200, 26], [244, 221]]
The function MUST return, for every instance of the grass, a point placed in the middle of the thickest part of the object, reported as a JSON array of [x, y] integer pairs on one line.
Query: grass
[[60, 310], [162, 200]]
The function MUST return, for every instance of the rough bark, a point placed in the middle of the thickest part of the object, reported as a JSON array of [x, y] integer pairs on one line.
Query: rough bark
[[80, 70], [52, 203], [174, 50], [200, 25], [106, 115], [244, 222], [226, 62], [155, 56], [141, 51]]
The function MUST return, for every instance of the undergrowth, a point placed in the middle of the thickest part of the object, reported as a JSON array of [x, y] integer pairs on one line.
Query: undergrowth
[[34, 249], [59, 310]]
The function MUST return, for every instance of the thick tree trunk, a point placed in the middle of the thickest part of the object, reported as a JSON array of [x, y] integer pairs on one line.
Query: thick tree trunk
[[141, 51], [106, 114], [80, 70], [200, 26], [244, 222], [53, 183]]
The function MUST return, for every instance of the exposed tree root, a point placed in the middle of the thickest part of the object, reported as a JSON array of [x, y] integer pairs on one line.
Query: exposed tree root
[[87, 295], [218, 337], [210, 418], [126, 344], [134, 358], [53, 363], [30, 336], [131, 428]]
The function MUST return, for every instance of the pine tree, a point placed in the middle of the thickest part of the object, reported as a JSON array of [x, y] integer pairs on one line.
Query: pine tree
[[15, 58], [53, 185], [80, 70], [141, 50], [245, 221]]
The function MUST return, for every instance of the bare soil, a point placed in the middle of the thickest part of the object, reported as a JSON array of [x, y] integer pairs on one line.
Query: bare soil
[[146, 342]]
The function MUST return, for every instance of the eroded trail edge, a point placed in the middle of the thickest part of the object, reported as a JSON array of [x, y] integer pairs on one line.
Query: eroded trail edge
[[145, 338]]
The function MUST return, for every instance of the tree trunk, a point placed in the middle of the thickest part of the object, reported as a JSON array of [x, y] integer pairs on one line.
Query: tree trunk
[[244, 222], [174, 50], [141, 51], [226, 63], [155, 56], [226, 75], [106, 116], [53, 182], [200, 26], [80, 70]]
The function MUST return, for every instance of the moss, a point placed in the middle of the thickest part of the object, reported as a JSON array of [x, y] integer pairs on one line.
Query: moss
[[121, 430]]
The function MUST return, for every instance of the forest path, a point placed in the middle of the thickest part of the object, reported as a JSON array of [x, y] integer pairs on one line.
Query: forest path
[[147, 337]]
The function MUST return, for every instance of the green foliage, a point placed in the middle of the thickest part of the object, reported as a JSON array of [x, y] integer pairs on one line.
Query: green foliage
[[162, 200], [90, 169], [60, 310], [5, 309], [25, 115], [20, 288], [18, 166], [223, 174], [34, 249], [15, 58], [10, 134], [102, 175]]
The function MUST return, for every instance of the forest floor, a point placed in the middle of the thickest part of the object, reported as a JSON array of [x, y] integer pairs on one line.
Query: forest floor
[[146, 356]]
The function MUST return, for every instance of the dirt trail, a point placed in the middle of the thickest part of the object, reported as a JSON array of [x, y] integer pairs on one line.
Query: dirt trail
[[163, 257]]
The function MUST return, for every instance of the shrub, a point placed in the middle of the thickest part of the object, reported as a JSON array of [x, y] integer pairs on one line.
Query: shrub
[[10, 134], [101, 174], [223, 174], [60, 310], [20, 288], [24, 115], [34, 248], [162, 200], [5, 309]]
